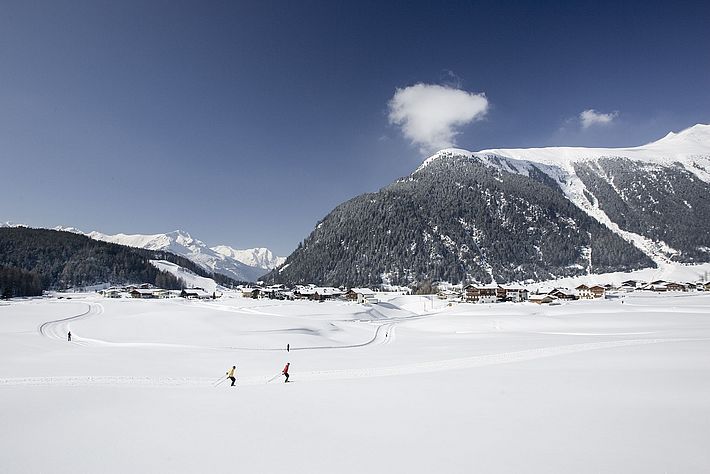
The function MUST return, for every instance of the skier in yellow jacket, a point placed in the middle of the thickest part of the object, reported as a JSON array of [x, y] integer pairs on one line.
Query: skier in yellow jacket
[[230, 374]]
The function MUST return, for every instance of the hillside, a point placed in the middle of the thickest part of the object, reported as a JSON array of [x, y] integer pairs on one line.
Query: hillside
[[69, 260]]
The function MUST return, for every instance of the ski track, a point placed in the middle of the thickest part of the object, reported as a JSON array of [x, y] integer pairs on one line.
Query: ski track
[[57, 329], [384, 333], [328, 375]]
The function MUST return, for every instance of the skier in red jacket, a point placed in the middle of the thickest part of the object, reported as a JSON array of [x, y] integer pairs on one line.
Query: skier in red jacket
[[285, 371]]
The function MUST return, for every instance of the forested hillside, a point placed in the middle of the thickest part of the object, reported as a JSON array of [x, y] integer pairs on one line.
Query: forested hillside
[[458, 220], [667, 204], [64, 260]]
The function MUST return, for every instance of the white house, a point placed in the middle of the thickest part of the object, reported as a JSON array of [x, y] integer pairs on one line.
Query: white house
[[362, 295], [515, 294]]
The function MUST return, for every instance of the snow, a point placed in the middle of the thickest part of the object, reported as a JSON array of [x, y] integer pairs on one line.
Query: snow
[[191, 279], [675, 272], [690, 148], [683, 147], [408, 385], [260, 257], [248, 264]]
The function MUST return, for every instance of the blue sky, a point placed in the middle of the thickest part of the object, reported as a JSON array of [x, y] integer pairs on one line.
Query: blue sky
[[245, 123]]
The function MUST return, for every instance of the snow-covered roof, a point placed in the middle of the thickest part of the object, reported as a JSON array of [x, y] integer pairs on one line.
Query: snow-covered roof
[[541, 297], [143, 291], [328, 290], [306, 291], [362, 291], [196, 292], [487, 286], [564, 291]]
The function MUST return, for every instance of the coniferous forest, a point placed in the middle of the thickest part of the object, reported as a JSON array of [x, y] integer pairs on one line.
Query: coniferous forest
[[458, 220], [32, 260]]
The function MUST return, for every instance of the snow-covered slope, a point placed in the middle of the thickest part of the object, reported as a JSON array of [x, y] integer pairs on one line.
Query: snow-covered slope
[[215, 259], [191, 280], [689, 147], [688, 150]]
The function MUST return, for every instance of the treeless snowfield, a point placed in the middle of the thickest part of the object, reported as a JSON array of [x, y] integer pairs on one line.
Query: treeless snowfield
[[408, 385]]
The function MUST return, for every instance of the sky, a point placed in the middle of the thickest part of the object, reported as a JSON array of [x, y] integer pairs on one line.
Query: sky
[[245, 123]]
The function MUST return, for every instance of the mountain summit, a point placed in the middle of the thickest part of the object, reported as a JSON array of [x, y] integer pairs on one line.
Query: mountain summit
[[520, 214]]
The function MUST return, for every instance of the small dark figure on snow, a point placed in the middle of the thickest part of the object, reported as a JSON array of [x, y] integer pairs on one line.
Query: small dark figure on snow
[[285, 371], [230, 374], [69, 336], [288, 347]]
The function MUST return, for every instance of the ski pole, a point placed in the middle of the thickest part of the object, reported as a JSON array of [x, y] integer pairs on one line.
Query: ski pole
[[273, 378], [221, 381]]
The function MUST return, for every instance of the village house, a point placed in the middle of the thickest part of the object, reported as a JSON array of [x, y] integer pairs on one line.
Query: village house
[[481, 293], [673, 286], [251, 292], [449, 295], [564, 294], [584, 292], [143, 293], [516, 294], [326, 293], [541, 299], [195, 293], [304, 292], [598, 291], [657, 285], [317, 293], [111, 292], [361, 295], [161, 293]]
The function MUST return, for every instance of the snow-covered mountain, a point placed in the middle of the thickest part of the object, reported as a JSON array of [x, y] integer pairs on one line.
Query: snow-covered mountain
[[519, 214], [260, 257], [616, 186], [219, 259]]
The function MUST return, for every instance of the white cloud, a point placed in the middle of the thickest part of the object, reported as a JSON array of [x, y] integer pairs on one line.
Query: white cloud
[[591, 117], [430, 115]]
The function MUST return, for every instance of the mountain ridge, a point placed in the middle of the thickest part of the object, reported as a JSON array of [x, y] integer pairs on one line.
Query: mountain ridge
[[215, 259], [689, 148]]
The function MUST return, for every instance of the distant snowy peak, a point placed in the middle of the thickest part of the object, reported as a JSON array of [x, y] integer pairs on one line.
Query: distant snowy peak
[[73, 230], [245, 265], [258, 257], [177, 241]]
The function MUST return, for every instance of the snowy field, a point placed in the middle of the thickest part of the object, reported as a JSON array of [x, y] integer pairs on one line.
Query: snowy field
[[409, 385]]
